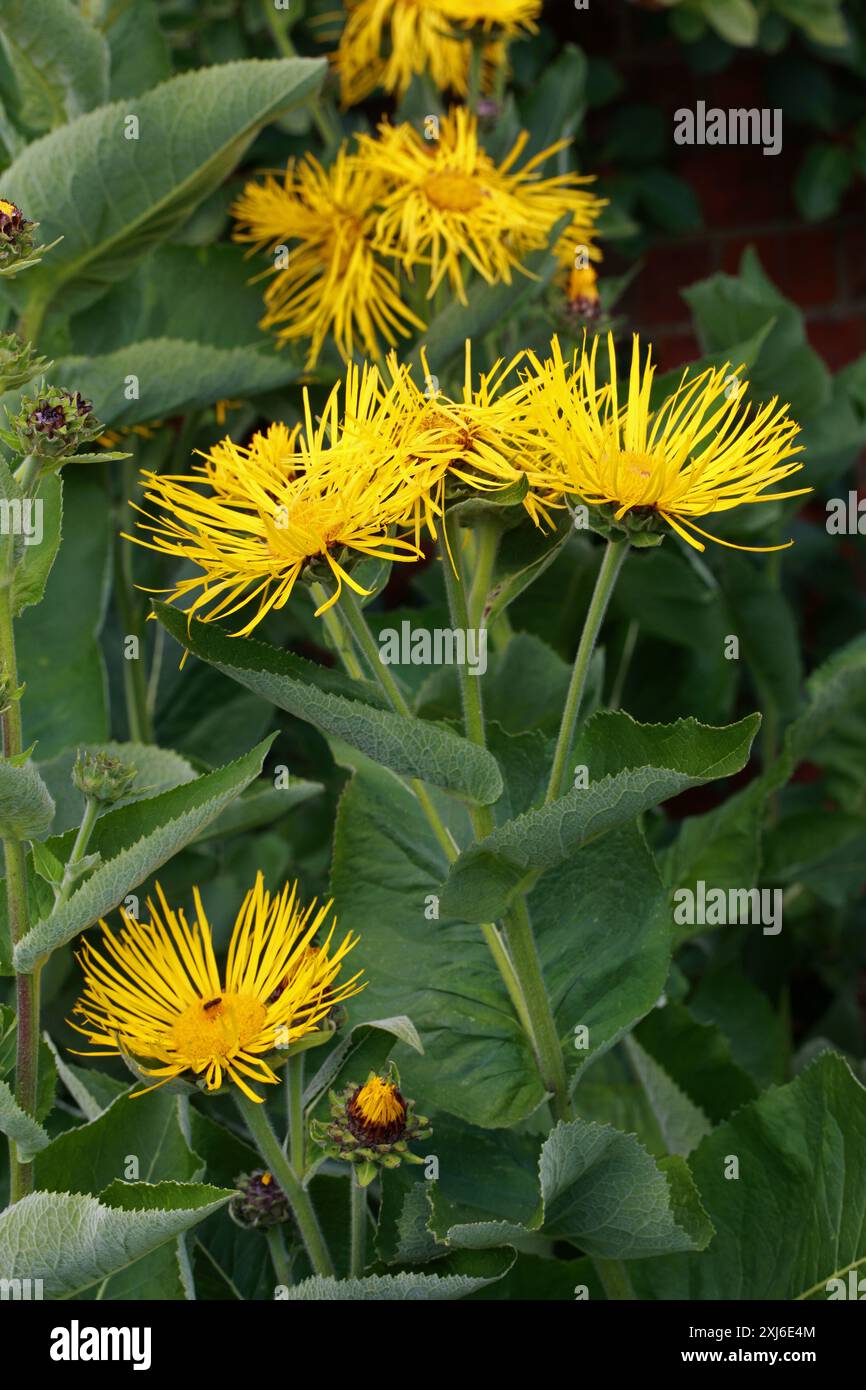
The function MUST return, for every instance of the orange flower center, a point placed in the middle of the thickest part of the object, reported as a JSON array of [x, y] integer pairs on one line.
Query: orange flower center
[[218, 1028], [453, 192]]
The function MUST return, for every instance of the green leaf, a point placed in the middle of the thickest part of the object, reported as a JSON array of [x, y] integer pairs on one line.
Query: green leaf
[[26, 807], [134, 842], [60, 60], [600, 1190], [31, 576], [172, 376], [343, 708], [795, 1216], [140, 54], [698, 1057], [680, 1123], [113, 198], [822, 180], [59, 658], [158, 769], [631, 768], [28, 1134], [398, 1287], [487, 306], [71, 1242], [822, 20], [143, 1128], [736, 20]]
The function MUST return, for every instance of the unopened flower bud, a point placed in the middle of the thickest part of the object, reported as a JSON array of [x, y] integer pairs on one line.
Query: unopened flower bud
[[103, 778]]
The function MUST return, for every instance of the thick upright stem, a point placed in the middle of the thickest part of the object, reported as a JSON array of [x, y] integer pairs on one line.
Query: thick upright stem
[[358, 1225], [611, 565], [17, 900], [295, 1107], [548, 1050], [298, 1197]]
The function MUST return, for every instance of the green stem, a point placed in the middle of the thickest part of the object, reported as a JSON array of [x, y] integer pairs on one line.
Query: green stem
[[358, 1224], [337, 633], [614, 1279], [611, 565], [17, 901], [298, 1197], [27, 472], [455, 588], [324, 121], [545, 1039], [489, 536], [295, 1107], [79, 849], [279, 1256], [354, 617], [628, 647], [134, 670]]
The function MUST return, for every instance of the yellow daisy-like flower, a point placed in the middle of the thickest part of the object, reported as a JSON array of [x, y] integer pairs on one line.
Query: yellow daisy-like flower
[[385, 43], [701, 451], [480, 441], [327, 277], [448, 203], [154, 992], [255, 518]]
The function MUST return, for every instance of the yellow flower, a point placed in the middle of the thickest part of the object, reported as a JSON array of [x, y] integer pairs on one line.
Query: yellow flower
[[323, 495], [479, 442], [155, 993], [385, 43], [330, 279], [703, 450], [449, 204]]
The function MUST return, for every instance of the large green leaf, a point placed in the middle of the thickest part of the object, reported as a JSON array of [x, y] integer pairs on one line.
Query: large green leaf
[[144, 1128], [60, 60], [344, 708], [397, 1287], [133, 842], [794, 1216], [71, 1241], [59, 658], [31, 576], [604, 940], [596, 1188], [26, 807], [112, 197], [171, 376], [631, 768], [16, 1124]]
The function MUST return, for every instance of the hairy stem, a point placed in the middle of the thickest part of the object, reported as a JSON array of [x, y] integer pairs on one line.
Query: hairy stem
[[358, 1224], [297, 1195], [611, 565]]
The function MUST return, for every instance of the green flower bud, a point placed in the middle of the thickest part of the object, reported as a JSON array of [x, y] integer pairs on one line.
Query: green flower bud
[[103, 778], [52, 425], [260, 1203], [18, 362]]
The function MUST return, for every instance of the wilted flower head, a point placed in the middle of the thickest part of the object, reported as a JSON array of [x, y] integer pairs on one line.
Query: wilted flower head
[[154, 992], [53, 423], [260, 1202]]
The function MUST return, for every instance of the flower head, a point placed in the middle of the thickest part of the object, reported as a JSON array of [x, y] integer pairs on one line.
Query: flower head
[[260, 1201], [701, 450], [103, 778], [371, 1126], [327, 277], [16, 232], [53, 423], [304, 503], [448, 204], [154, 992], [385, 43]]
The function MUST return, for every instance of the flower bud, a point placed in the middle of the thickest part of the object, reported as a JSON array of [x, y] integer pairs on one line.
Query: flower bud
[[18, 362], [53, 424], [103, 778], [16, 233], [371, 1126], [260, 1202]]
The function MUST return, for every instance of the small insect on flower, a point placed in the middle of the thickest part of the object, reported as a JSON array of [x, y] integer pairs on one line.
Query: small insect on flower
[[702, 450], [330, 278], [154, 993], [449, 205]]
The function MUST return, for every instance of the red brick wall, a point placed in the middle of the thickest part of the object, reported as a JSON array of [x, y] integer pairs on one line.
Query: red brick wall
[[745, 196]]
